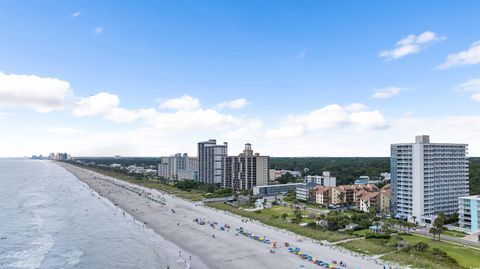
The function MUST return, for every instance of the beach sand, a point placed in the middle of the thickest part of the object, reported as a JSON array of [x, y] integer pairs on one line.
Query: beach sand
[[211, 247]]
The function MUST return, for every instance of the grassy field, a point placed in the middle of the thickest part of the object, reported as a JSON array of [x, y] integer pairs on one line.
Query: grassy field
[[266, 216], [368, 246], [466, 257], [454, 233]]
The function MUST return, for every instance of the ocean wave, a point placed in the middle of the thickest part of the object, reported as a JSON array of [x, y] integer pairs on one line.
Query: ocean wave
[[32, 257]]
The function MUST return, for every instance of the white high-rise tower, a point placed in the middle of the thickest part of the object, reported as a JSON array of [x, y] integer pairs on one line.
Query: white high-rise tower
[[427, 178]]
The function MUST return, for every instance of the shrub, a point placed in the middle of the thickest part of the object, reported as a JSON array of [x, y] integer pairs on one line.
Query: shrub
[[312, 224], [439, 252], [377, 236], [421, 246]]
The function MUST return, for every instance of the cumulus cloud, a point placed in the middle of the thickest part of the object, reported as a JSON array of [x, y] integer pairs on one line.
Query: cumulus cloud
[[233, 104], [76, 14], [386, 92], [410, 45], [333, 116], [472, 87], [98, 30], [99, 104], [285, 132], [185, 102], [42, 94], [470, 56]]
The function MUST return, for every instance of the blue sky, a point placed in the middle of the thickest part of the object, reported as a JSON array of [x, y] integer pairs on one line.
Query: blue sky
[[296, 78]]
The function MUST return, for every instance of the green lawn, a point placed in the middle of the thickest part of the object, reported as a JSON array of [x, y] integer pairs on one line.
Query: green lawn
[[368, 246], [266, 216], [361, 232], [466, 257], [454, 233]]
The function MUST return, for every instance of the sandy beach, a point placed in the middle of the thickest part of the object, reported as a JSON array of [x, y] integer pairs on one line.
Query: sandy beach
[[204, 246]]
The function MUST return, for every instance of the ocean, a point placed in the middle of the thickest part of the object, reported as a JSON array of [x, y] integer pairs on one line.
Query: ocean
[[50, 219]]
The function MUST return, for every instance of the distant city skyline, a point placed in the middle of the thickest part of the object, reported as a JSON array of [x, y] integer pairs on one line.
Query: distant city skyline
[[310, 78]]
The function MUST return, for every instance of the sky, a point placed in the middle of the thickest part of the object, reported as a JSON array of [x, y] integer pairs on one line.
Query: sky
[[294, 78]]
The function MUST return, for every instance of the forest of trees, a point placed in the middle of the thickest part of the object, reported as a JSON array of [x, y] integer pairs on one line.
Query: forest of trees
[[347, 169]]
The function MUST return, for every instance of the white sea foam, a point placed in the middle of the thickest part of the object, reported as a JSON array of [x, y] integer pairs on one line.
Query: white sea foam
[[33, 257]]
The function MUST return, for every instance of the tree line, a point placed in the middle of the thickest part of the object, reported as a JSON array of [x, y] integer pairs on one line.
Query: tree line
[[347, 169]]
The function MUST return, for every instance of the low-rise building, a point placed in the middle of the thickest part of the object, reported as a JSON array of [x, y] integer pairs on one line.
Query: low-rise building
[[325, 179], [322, 195], [468, 213], [267, 190], [378, 199], [303, 192], [276, 174]]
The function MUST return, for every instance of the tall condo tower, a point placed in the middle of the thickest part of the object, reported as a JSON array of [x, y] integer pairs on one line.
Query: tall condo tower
[[211, 161], [427, 178], [245, 171]]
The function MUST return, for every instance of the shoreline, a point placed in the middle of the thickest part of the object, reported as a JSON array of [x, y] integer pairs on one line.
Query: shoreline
[[211, 247], [174, 261]]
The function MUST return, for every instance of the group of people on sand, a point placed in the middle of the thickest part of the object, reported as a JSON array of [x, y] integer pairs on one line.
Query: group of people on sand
[[149, 194]]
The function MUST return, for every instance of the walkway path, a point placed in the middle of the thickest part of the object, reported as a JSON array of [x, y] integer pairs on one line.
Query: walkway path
[[348, 240]]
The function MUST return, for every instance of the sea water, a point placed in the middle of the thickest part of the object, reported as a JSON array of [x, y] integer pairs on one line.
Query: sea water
[[50, 219]]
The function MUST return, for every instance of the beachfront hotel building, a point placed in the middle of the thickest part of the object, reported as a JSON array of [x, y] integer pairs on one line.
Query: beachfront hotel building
[[177, 167], [211, 161], [276, 189], [245, 171], [427, 178], [468, 213]]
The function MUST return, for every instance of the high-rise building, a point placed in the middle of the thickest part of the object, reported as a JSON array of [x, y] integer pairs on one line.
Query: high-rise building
[[427, 178], [211, 158], [245, 171], [170, 166]]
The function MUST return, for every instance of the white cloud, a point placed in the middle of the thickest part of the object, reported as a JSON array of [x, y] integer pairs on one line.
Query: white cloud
[[386, 92], [356, 115], [475, 97], [98, 30], [410, 45], [233, 104], [42, 94], [185, 102], [106, 105], [285, 132], [63, 130], [76, 14], [466, 57], [471, 86], [99, 104]]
